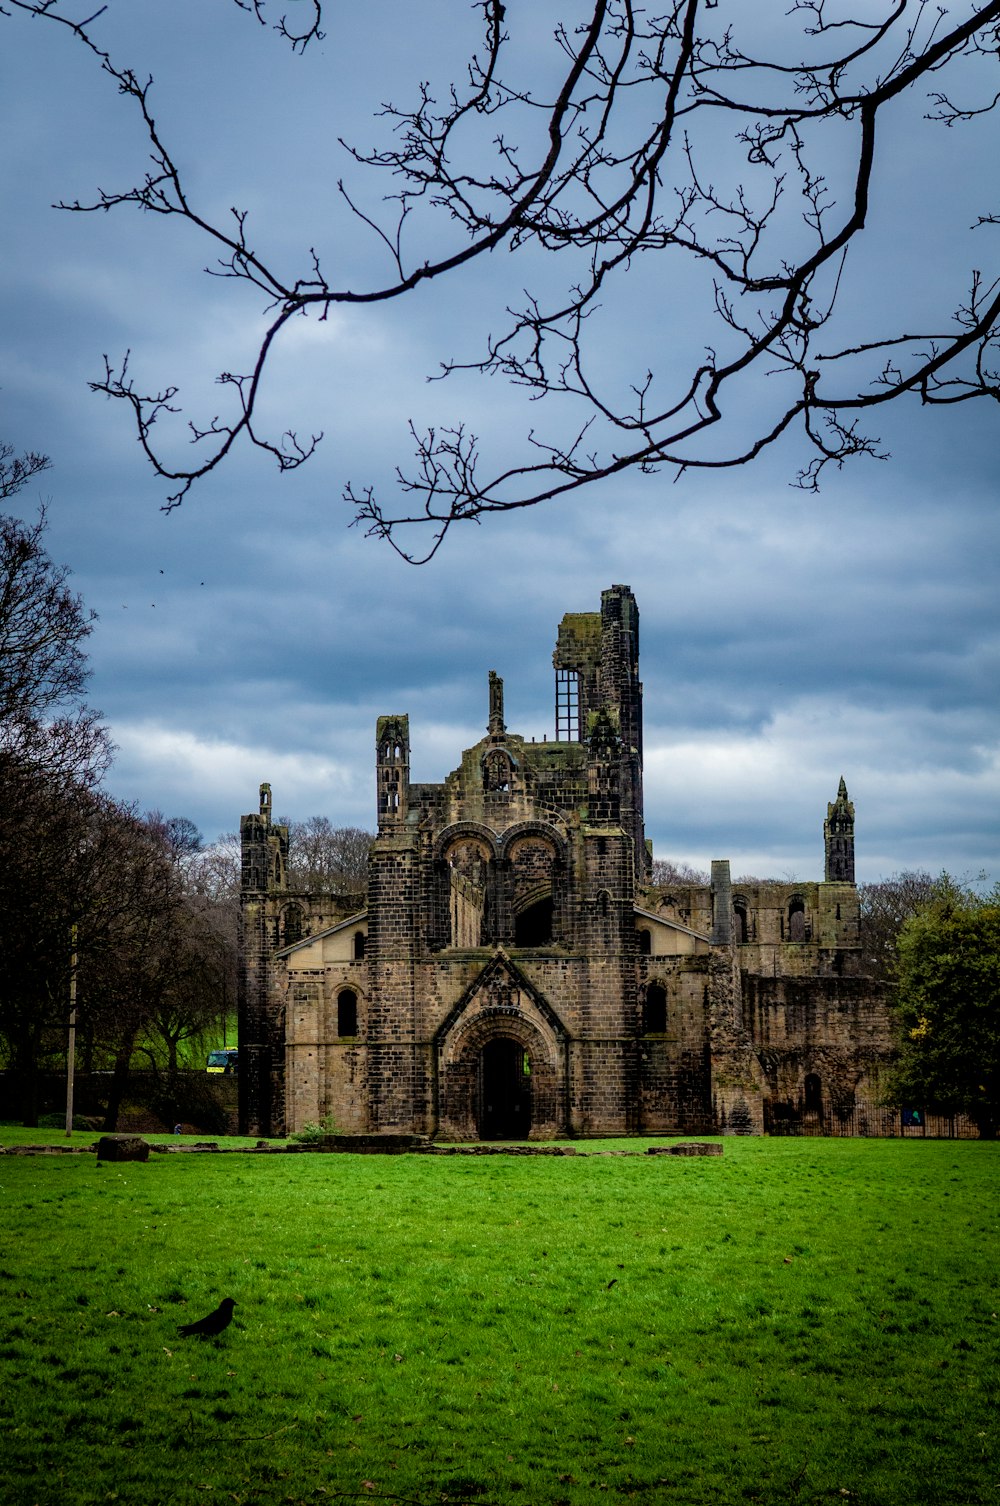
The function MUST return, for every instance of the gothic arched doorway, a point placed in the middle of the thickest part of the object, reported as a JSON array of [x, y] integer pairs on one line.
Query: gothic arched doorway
[[503, 1097]]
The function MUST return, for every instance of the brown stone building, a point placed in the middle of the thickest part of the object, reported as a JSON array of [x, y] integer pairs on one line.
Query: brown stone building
[[513, 972]]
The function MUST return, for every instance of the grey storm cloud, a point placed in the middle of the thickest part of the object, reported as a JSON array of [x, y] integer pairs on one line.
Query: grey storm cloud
[[786, 639]]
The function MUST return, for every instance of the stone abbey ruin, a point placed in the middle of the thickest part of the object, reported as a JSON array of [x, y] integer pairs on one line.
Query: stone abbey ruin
[[512, 972]]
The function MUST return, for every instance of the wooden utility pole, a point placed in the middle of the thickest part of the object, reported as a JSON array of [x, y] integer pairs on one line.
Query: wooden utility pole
[[71, 1049]]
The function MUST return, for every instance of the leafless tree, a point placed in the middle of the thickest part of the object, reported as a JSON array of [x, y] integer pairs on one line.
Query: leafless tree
[[45, 727], [323, 858], [215, 871], [668, 873], [157, 959], [17, 470], [43, 624], [80, 874], [736, 144], [61, 878], [886, 905]]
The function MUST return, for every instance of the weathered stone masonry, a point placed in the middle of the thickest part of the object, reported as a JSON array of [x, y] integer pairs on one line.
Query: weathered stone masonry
[[512, 972]]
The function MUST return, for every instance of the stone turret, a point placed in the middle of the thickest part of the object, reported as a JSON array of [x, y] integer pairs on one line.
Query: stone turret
[[496, 726], [263, 849], [838, 839], [392, 753], [499, 767]]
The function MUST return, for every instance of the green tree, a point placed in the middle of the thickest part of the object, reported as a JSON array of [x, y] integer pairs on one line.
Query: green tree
[[948, 1001], [157, 958]]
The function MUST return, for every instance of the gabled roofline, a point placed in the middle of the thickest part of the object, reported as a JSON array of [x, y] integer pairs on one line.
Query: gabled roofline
[[500, 962], [672, 925], [352, 920]]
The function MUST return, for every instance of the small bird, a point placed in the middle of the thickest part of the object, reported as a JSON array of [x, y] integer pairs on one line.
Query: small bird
[[207, 1328]]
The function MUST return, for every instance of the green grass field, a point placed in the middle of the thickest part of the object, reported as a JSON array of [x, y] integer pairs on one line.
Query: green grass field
[[798, 1321]]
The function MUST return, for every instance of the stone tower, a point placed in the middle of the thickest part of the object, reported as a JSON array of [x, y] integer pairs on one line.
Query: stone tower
[[264, 860], [596, 660], [392, 752], [838, 839]]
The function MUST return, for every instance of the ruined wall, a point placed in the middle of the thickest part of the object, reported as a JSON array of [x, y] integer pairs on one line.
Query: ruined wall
[[675, 1084], [398, 1090], [822, 1044], [264, 856], [517, 969]]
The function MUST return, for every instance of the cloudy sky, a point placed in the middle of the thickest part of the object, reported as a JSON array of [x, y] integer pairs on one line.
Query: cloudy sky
[[786, 639]]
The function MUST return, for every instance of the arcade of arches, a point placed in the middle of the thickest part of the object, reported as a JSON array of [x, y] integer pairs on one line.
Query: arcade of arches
[[511, 971]]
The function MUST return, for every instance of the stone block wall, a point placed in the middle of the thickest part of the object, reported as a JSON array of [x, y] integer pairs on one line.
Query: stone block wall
[[503, 981]]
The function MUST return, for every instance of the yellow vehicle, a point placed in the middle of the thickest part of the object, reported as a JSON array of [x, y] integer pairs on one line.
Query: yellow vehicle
[[223, 1061]]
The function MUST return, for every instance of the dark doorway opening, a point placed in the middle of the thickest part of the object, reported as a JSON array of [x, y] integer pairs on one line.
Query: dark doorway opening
[[504, 1091], [347, 1012], [533, 927], [655, 1011]]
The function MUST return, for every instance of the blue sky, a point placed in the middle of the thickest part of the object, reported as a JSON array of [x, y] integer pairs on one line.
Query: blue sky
[[786, 639]]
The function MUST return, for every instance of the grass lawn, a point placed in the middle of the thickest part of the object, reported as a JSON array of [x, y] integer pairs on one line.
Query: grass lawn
[[799, 1321]]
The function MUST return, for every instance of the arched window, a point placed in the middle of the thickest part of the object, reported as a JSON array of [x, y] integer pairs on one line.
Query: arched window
[[796, 921], [468, 870], [531, 881], [293, 925], [645, 943], [498, 774], [654, 1014], [741, 926], [347, 1012], [359, 946], [813, 1094]]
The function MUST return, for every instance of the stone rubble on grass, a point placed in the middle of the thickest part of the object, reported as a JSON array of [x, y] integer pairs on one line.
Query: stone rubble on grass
[[135, 1148]]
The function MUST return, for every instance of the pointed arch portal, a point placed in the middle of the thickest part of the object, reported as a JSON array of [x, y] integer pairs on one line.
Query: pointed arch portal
[[503, 1091], [501, 1068]]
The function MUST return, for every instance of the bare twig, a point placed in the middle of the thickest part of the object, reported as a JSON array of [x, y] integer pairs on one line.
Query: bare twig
[[662, 133]]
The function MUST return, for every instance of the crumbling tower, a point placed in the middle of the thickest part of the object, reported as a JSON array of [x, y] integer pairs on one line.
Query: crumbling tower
[[596, 660], [264, 861]]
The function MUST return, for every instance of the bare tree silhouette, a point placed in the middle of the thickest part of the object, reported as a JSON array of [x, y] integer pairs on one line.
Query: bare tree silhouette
[[736, 145]]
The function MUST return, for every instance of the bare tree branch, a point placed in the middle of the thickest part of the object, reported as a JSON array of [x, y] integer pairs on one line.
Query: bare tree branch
[[309, 27], [17, 470], [700, 135]]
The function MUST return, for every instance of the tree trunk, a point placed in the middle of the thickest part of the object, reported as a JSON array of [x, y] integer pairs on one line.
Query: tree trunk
[[26, 1086], [119, 1082]]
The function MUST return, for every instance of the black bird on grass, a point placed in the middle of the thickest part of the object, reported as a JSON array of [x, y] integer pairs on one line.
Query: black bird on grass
[[207, 1328]]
